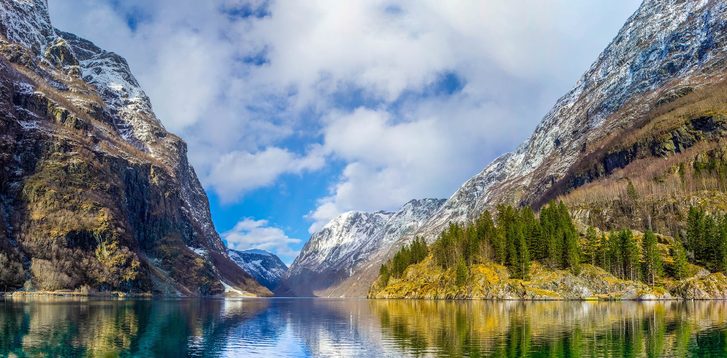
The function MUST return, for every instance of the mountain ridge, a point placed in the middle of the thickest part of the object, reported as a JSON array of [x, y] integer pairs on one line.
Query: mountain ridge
[[666, 50], [79, 139], [264, 266], [662, 43], [332, 260]]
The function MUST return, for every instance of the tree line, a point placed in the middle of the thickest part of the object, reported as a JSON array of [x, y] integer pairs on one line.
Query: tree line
[[518, 236]]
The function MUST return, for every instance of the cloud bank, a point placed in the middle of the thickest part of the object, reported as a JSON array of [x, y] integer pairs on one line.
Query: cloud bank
[[412, 97]]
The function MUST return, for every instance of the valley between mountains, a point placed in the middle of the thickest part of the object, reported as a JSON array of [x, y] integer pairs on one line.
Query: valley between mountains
[[620, 193]]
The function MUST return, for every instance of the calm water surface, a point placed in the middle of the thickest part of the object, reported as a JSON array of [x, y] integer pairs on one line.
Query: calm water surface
[[360, 328]]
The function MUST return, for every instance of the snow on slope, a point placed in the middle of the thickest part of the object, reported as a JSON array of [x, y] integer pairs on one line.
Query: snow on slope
[[351, 242], [665, 41], [665, 44], [264, 266]]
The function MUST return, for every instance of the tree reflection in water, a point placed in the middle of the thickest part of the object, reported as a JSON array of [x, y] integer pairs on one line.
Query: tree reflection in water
[[555, 329], [363, 328]]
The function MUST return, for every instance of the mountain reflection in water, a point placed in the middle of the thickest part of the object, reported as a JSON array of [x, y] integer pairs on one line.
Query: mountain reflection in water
[[363, 328]]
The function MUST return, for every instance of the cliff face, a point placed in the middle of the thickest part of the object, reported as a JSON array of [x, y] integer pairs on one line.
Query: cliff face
[[93, 190], [343, 258]]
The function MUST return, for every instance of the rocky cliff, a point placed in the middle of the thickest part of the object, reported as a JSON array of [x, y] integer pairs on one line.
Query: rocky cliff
[[93, 190]]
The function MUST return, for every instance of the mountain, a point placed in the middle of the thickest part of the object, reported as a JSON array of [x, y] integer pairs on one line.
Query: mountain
[[264, 266], [342, 259], [94, 192], [654, 96], [639, 139]]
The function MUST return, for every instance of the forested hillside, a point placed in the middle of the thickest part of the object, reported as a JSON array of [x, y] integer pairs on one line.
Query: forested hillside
[[549, 256]]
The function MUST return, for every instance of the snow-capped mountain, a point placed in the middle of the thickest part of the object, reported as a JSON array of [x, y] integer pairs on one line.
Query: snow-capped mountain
[[264, 266], [335, 258], [666, 50], [77, 124], [667, 47]]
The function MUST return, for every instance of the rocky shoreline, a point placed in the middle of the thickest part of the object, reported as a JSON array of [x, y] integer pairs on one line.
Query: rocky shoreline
[[70, 294], [492, 282]]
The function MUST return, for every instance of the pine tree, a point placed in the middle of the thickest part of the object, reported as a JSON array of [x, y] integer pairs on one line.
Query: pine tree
[[680, 259], [506, 223], [400, 261], [531, 227], [571, 253], [486, 233], [591, 247], [551, 236], [615, 254], [630, 256], [652, 258], [524, 256], [510, 225], [418, 250], [499, 239], [721, 247], [470, 246], [708, 251], [602, 253], [695, 231], [631, 191]]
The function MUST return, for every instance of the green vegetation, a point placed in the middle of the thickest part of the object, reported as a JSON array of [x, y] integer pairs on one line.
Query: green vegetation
[[652, 259], [518, 237], [408, 255], [680, 260], [707, 238]]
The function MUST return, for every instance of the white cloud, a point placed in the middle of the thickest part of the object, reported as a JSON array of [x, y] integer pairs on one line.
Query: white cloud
[[390, 162], [237, 172], [358, 78], [256, 234]]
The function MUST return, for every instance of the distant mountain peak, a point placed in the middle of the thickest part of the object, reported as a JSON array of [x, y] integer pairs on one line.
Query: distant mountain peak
[[349, 242], [264, 266]]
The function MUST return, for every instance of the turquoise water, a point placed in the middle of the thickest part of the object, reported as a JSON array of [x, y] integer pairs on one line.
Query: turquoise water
[[360, 328]]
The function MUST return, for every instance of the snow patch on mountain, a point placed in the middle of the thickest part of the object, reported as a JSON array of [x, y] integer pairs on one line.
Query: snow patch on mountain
[[264, 266], [352, 241], [665, 41]]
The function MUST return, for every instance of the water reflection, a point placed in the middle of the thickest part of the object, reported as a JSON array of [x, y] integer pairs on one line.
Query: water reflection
[[556, 329], [375, 328]]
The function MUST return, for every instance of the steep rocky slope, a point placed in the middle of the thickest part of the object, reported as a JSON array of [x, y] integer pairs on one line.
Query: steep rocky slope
[[93, 190], [342, 259], [264, 266], [650, 111], [667, 50]]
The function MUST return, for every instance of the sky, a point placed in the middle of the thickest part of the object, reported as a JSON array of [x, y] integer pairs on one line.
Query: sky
[[297, 111]]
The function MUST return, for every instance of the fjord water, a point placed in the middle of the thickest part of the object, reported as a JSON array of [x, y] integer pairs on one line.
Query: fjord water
[[363, 328]]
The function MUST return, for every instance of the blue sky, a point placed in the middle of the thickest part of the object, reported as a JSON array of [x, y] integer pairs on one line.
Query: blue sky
[[297, 111]]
